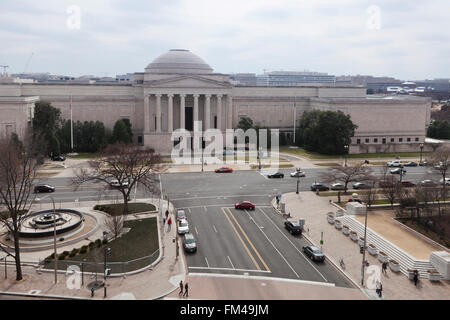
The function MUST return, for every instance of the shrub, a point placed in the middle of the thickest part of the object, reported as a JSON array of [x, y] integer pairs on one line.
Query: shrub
[[73, 252], [83, 249], [91, 244], [105, 241]]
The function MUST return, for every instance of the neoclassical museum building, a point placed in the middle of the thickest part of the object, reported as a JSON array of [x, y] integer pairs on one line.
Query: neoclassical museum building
[[178, 87]]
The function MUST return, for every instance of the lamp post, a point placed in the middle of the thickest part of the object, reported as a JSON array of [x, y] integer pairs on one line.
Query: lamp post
[[346, 152], [298, 170], [421, 149], [54, 241], [107, 253], [401, 173]]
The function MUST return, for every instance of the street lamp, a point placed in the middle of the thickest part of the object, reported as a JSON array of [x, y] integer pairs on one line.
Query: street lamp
[[106, 271], [346, 153], [421, 149], [401, 173], [54, 241], [298, 170]]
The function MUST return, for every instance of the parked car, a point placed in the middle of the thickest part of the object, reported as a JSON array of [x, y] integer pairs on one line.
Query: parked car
[[223, 170], [296, 174], [360, 185], [397, 171], [181, 215], [116, 184], [319, 186], [189, 243], [314, 253], [244, 205], [423, 163], [411, 164], [183, 226], [293, 227], [59, 158], [276, 175], [395, 163], [447, 181], [408, 184], [427, 183], [44, 188], [337, 186]]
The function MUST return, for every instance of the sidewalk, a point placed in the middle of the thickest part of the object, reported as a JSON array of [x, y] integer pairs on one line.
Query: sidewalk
[[148, 284], [335, 245]]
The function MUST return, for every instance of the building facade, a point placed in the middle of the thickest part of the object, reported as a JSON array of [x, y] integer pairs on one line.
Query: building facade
[[179, 87]]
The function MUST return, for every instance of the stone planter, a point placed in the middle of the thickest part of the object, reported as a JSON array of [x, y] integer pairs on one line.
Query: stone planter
[[353, 236], [339, 213], [337, 224], [330, 218], [345, 230], [361, 241], [394, 265], [372, 249], [383, 257], [433, 275]]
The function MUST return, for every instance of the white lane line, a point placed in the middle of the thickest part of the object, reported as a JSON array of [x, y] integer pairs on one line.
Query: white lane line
[[273, 245], [196, 231], [189, 209], [301, 253], [229, 259], [228, 269], [207, 263], [214, 227], [205, 208]]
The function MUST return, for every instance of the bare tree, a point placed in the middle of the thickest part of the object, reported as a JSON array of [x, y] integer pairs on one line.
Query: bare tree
[[17, 174], [439, 159], [389, 185], [114, 224], [346, 175], [370, 195], [128, 164]]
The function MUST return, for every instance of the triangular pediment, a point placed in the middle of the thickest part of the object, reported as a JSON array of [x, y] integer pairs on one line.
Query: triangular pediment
[[187, 81]]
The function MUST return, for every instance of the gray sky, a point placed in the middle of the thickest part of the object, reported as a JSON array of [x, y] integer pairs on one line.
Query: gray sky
[[406, 39]]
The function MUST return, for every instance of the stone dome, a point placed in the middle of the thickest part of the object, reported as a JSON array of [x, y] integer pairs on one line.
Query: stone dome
[[179, 61]]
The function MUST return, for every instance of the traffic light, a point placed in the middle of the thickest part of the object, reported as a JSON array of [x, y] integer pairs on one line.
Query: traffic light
[[108, 251]]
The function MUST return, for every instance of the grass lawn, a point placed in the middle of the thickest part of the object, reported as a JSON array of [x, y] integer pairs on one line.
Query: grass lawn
[[316, 156], [114, 208], [140, 241]]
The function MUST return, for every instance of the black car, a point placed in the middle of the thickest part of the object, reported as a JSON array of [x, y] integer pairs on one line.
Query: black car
[[314, 253], [59, 158], [276, 175], [423, 163], [293, 227], [189, 243], [44, 188], [319, 186], [411, 164]]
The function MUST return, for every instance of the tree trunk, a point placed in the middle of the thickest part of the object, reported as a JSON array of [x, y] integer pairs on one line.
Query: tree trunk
[[125, 203], [17, 256]]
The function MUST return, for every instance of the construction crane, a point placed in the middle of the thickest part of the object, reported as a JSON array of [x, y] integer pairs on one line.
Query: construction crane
[[28, 62], [4, 69]]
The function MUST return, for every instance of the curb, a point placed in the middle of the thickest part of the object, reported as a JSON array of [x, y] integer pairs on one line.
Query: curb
[[19, 294]]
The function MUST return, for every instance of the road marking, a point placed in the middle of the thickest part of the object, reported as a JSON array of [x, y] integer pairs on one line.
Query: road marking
[[196, 231], [227, 205], [189, 209], [228, 269], [214, 227], [251, 243], [301, 253], [228, 196], [242, 241], [207, 262], [273, 245], [205, 208], [231, 262]]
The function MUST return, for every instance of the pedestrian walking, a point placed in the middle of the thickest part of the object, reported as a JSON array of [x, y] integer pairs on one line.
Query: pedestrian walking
[[181, 288], [186, 290], [167, 214], [169, 224], [378, 288], [164, 221], [416, 277], [384, 268]]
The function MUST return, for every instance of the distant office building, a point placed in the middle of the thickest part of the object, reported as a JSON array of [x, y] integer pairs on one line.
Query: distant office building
[[129, 77], [243, 79], [293, 78]]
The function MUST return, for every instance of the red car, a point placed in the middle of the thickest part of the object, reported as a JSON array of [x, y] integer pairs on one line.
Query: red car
[[224, 169], [244, 205]]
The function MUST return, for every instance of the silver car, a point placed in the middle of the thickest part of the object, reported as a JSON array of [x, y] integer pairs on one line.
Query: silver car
[[183, 227], [337, 186], [296, 174]]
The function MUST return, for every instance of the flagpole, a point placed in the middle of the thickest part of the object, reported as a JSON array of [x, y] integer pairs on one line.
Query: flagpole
[[71, 125]]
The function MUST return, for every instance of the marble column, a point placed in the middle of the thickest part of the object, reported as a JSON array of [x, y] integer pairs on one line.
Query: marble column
[[158, 112], [229, 112], [146, 114], [182, 107], [196, 107], [170, 113], [207, 112], [219, 111]]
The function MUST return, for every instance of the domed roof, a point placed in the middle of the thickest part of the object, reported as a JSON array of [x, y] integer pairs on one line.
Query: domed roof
[[179, 61]]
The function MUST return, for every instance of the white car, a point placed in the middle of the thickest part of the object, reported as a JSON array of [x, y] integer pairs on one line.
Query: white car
[[296, 174], [337, 186], [116, 184], [447, 181], [395, 163], [183, 227]]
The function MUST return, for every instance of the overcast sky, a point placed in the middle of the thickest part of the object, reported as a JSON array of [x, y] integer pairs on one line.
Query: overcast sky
[[406, 39]]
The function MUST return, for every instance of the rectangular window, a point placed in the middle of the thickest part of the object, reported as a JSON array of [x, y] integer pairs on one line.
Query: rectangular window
[[400, 139], [417, 139], [392, 139], [383, 140], [215, 122], [367, 140], [375, 140], [139, 139], [408, 139], [358, 141]]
